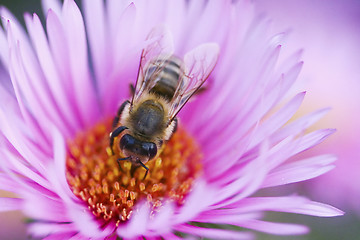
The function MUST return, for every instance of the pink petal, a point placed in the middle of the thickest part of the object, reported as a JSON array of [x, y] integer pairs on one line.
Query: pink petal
[[98, 36], [14, 111], [41, 229], [29, 83], [265, 204], [44, 208], [292, 62], [218, 217], [277, 120], [23, 184], [312, 139], [318, 209], [86, 224], [235, 115], [25, 148], [138, 223], [175, 18], [250, 182], [125, 61], [276, 228], [205, 27], [59, 236], [48, 67], [20, 168], [299, 171], [214, 233], [114, 9], [54, 5], [160, 224], [299, 125], [59, 49], [74, 30], [200, 198], [290, 204], [19, 32], [56, 173], [289, 77], [10, 204], [18, 138], [7, 184]]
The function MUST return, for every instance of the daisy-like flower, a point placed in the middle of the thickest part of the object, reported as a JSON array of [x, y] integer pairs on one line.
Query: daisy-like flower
[[66, 82]]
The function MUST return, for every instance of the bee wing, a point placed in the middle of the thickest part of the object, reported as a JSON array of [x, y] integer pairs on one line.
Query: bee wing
[[198, 64], [158, 48]]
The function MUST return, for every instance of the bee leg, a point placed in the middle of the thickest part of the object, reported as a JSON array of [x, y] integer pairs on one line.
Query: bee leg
[[119, 112], [121, 159], [133, 169], [114, 134], [147, 169]]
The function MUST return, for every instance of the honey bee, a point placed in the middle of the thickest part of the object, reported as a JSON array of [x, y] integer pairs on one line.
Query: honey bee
[[163, 86]]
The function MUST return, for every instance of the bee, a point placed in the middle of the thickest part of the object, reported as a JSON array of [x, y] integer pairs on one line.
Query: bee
[[163, 86]]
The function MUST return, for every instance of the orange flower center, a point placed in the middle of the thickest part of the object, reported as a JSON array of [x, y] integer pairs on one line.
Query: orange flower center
[[111, 192]]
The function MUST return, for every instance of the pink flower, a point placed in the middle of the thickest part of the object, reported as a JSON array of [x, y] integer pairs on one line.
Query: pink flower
[[232, 141]]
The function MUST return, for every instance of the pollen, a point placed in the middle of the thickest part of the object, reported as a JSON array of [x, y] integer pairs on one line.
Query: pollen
[[111, 191]]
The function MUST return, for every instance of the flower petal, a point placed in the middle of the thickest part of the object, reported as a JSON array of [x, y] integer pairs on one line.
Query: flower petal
[[214, 233], [276, 228], [277, 120], [84, 92], [312, 139], [98, 37], [48, 67], [201, 197], [218, 217], [10, 204], [299, 171], [318, 209], [161, 224], [44, 208], [125, 61], [54, 5], [52, 230], [138, 223], [299, 125], [56, 173], [248, 183]]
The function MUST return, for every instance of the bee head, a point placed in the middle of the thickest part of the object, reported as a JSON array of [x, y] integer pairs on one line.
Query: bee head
[[137, 150]]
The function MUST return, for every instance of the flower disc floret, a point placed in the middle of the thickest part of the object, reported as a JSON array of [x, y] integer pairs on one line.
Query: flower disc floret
[[111, 191]]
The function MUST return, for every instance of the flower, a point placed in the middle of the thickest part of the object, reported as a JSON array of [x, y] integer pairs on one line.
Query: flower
[[64, 86]]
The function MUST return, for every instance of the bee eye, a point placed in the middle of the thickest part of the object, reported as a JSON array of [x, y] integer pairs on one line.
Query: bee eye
[[150, 148], [127, 141]]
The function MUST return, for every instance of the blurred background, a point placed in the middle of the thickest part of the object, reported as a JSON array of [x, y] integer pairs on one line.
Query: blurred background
[[329, 33]]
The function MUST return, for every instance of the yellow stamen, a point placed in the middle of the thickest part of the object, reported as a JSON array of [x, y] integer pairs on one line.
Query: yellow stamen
[[111, 193]]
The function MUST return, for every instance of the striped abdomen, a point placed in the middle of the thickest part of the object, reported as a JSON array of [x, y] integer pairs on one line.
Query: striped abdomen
[[169, 78]]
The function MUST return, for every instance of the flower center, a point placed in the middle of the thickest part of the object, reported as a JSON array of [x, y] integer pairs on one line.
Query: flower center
[[111, 191]]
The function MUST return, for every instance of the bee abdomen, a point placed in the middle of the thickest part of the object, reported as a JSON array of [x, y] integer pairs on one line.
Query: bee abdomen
[[169, 79]]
